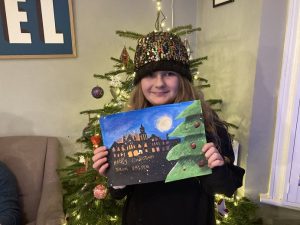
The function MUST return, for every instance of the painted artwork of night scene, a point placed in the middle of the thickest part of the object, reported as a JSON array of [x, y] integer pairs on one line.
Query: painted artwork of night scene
[[159, 143]]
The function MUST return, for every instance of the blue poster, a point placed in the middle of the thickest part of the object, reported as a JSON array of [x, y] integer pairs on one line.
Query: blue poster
[[36, 28]]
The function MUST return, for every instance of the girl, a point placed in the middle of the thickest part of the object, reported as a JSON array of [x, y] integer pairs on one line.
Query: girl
[[163, 77]]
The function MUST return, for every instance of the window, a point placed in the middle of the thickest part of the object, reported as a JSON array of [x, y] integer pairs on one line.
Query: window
[[293, 192]]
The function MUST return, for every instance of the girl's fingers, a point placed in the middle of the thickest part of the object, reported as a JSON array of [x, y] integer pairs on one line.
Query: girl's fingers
[[207, 146], [100, 149], [209, 149], [215, 160], [103, 169], [216, 163], [212, 155], [97, 164], [99, 155], [100, 160]]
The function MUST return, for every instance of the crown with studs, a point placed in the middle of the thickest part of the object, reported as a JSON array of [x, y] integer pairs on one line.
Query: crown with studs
[[161, 51]]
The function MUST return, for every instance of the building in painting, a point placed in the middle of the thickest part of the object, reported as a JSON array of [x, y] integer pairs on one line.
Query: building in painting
[[140, 144]]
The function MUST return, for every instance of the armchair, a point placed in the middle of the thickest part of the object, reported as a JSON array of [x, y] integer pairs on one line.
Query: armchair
[[34, 160]]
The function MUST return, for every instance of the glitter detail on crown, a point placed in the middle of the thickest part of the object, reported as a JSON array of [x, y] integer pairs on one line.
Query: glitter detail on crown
[[157, 46]]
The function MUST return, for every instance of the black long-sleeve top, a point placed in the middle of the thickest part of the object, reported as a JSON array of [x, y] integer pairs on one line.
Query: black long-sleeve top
[[184, 202], [10, 213]]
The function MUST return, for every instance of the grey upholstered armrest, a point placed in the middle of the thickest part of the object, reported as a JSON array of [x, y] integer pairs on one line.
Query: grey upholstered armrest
[[50, 211]]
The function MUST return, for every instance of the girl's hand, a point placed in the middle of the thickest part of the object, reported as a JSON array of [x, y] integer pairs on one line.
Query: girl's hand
[[100, 160], [212, 155]]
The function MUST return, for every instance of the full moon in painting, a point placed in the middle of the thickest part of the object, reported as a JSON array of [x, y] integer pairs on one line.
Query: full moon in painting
[[164, 123]]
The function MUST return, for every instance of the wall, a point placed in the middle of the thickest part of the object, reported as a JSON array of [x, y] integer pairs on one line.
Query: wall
[[45, 96], [229, 38], [268, 71]]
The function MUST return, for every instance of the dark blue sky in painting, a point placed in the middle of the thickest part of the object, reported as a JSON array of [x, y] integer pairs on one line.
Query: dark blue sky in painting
[[115, 126]]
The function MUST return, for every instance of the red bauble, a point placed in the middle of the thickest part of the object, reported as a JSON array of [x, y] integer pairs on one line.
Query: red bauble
[[97, 92], [96, 140], [80, 171], [100, 191]]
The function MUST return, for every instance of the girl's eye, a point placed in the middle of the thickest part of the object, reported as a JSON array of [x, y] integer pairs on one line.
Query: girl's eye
[[170, 73]]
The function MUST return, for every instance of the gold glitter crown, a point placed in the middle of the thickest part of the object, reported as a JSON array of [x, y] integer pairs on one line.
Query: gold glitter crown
[[161, 51]]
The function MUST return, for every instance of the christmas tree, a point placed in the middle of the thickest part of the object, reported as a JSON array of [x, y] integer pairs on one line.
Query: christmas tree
[[86, 199], [190, 163]]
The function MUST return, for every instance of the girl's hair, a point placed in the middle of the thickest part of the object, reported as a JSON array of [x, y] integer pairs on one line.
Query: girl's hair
[[186, 92]]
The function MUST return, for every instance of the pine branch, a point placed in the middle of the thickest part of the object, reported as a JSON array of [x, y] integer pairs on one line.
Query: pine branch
[[204, 85], [200, 59], [203, 80], [188, 31], [180, 28], [116, 60], [231, 125], [100, 76], [91, 111], [195, 65], [131, 49], [214, 101], [194, 70], [129, 34]]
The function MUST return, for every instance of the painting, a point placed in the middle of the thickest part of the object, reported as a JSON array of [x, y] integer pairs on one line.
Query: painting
[[159, 143], [36, 29], [221, 2]]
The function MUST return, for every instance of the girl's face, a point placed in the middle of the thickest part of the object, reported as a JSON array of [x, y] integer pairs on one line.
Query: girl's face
[[160, 87]]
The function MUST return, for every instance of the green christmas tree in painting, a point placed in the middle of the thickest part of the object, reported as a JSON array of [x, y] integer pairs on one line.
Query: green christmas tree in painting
[[191, 161]]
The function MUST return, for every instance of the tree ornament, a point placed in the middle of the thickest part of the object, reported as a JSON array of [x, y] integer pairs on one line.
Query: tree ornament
[[100, 191], [114, 92], [193, 145], [97, 92], [116, 81], [82, 169], [221, 207], [87, 132], [124, 57], [188, 47], [95, 140]]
